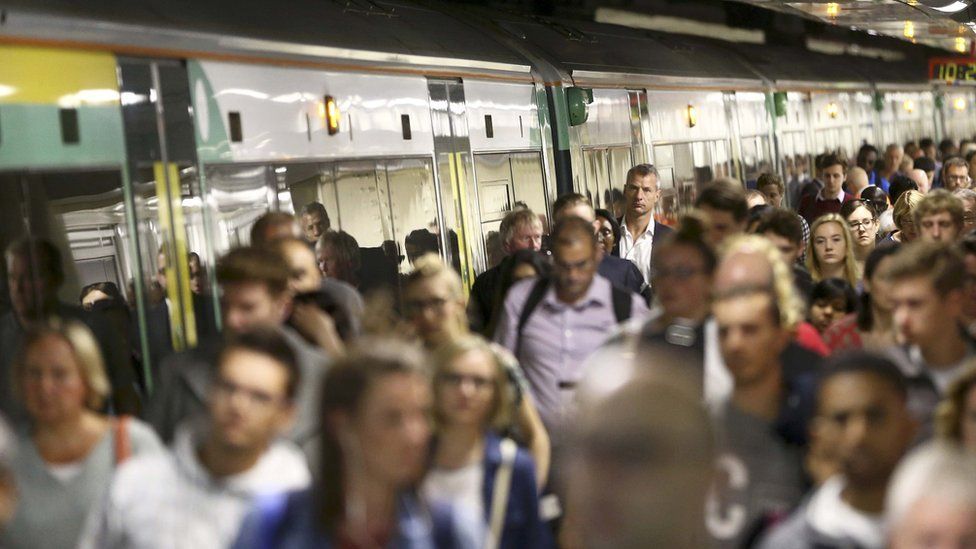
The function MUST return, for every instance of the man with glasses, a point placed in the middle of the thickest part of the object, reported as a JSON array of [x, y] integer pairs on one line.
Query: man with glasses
[[968, 197], [198, 494], [939, 217], [638, 229], [955, 174]]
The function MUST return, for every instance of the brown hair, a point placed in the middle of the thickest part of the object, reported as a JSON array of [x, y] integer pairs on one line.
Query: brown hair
[[254, 264], [949, 415], [938, 201], [500, 416], [941, 263]]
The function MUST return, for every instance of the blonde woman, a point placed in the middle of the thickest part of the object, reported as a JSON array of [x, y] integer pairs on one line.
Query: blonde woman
[[71, 449], [830, 251], [903, 214]]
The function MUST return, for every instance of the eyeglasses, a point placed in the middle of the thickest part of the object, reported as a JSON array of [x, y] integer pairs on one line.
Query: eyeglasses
[[858, 225], [456, 380], [957, 178]]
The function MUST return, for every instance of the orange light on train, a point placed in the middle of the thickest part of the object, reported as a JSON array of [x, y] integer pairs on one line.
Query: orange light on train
[[833, 9], [833, 110], [692, 113], [329, 113]]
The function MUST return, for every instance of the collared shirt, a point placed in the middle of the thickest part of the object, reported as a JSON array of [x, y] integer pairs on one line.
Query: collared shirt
[[638, 251], [557, 338]]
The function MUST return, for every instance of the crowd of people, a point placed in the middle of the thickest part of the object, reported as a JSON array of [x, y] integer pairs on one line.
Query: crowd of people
[[787, 366]]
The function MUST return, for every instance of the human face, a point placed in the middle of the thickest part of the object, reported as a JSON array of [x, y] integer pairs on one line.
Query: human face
[[525, 238], [956, 177], [681, 283], [921, 315], [641, 195], [574, 266], [52, 384], [329, 264], [750, 339], [909, 231], [431, 309], [790, 250], [466, 390], [605, 235], [161, 264], [868, 161], [249, 403], [392, 430], [833, 179], [880, 288], [196, 277], [313, 226], [864, 228], [867, 424], [936, 523], [967, 423], [248, 305], [829, 245], [972, 167], [721, 225], [970, 302], [968, 215], [893, 157], [938, 227], [304, 272], [774, 197], [824, 312]]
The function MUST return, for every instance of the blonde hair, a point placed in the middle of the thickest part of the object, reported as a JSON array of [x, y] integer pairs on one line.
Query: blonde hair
[[952, 409], [905, 206], [86, 352], [788, 302], [813, 262], [432, 267], [503, 401]]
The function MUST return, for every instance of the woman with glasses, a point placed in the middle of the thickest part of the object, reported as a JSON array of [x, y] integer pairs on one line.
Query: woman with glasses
[[904, 216], [608, 232], [472, 407], [863, 221], [830, 251]]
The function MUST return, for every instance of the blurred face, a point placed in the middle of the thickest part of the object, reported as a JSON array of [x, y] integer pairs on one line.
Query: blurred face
[[880, 288], [641, 195], [431, 309], [248, 305], [721, 225], [681, 283], [868, 161], [526, 237], [864, 227], [392, 429], [972, 167], [938, 227], [314, 226], [605, 235], [196, 276], [969, 215], [30, 292], [574, 266], [956, 177], [833, 179], [789, 249], [893, 157], [867, 423], [909, 231], [969, 310], [824, 312], [329, 262], [967, 425], [750, 339], [52, 383], [466, 390], [921, 315], [161, 265], [934, 523], [921, 179], [304, 272], [249, 403], [774, 196], [829, 245]]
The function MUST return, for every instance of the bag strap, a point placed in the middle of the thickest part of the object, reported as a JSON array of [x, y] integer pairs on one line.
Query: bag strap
[[531, 302], [499, 499], [123, 446], [622, 303]]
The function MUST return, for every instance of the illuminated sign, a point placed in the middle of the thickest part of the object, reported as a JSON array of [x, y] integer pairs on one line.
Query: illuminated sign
[[957, 70]]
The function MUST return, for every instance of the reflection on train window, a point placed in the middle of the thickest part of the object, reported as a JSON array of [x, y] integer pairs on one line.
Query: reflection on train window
[[504, 181]]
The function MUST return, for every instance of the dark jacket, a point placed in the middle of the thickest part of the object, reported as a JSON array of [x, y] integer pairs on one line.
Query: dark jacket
[[622, 273], [523, 527], [481, 304], [660, 231]]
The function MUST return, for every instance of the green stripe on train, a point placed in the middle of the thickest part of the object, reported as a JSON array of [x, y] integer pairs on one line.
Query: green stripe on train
[[31, 137]]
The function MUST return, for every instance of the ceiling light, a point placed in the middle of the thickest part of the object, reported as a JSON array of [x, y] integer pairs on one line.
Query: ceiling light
[[909, 29], [833, 9], [951, 8]]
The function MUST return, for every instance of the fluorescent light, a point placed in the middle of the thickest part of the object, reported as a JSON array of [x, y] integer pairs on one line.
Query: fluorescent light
[[952, 8]]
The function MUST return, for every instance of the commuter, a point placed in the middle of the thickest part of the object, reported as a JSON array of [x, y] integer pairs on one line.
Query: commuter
[[830, 252], [620, 272], [608, 231], [971, 161], [948, 149], [99, 291], [523, 264], [921, 180], [862, 415], [867, 160], [893, 156], [906, 166], [375, 434], [198, 274], [339, 257], [756, 214], [927, 300], [862, 220], [519, 230], [831, 300], [955, 418], [928, 148], [638, 229], [471, 463], [784, 229], [35, 274], [754, 199], [857, 181], [723, 203], [763, 466], [553, 325], [418, 243], [275, 225], [771, 186], [315, 222], [968, 197], [70, 450], [939, 217], [932, 499], [955, 174], [8, 486], [879, 199], [967, 245], [197, 495], [832, 196], [872, 326], [254, 282], [903, 215], [927, 165], [901, 184]]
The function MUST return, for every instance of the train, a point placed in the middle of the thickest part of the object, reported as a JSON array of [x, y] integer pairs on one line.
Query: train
[[173, 126]]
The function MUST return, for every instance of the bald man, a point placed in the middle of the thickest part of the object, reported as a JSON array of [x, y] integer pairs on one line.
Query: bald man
[[857, 180], [921, 179]]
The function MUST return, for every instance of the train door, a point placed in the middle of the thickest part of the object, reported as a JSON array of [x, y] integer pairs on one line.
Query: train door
[[507, 181], [606, 173]]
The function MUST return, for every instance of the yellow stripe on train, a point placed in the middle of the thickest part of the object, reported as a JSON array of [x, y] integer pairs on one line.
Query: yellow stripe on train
[[67, 78]]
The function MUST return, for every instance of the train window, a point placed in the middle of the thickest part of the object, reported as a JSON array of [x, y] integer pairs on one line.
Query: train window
[[405, 125], [69, 125], [504, 181], [489, 127], [234, 122]]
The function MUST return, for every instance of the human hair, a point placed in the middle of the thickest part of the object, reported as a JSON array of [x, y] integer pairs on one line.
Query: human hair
[[952, 410], [423, 240], [942, 264], [271, 343], [347, 252], [782, 222], [851, 206], [901, 184], [832, 159], [926, 142], [835, 288], [431, 266], [865, 314], [876, 196], [516, 220], [108, 288], [506, 279], [813, 262], [937, 470], [787, 300], [343, 393], [313, 208], [569, 230], [938, 201], [905, 207], [864, 151], [966, 195], [766, 179], [252, 264], [499, 416], [954, 162], [569, 200], [85, 349], [40, 252], [946, 145], [866, 363], [725, 195], [924, 163], [689, 233], [614, 226], [756, 214], [641, 171], [265, 226]]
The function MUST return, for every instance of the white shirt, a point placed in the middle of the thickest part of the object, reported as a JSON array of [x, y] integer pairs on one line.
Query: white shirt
[[638, 251], [829, 514], [461, 488]]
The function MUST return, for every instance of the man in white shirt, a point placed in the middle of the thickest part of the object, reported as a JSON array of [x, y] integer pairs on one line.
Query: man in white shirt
[[198, 494], [637, 227]]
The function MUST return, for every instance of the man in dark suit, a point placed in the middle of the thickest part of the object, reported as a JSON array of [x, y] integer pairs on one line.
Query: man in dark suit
[[638, 229]]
